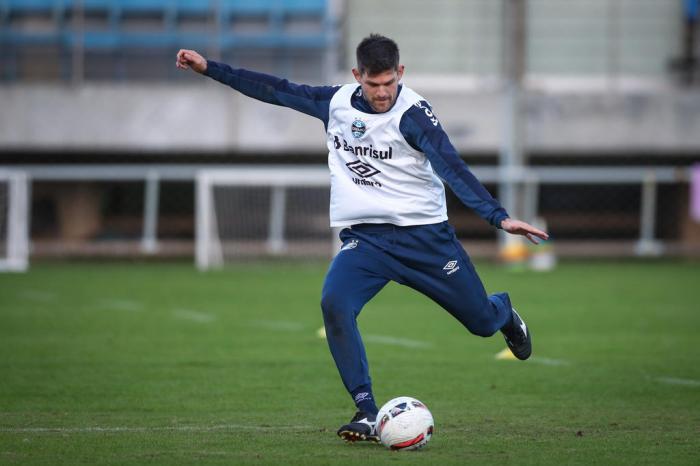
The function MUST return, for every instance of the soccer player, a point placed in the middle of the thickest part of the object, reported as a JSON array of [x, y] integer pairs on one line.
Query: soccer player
[[387, 156]]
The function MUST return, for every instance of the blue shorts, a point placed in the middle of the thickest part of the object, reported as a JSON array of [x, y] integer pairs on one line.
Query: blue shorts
[[427, 258]]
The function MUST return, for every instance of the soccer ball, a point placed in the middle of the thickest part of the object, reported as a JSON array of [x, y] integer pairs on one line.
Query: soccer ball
[[404, 423]]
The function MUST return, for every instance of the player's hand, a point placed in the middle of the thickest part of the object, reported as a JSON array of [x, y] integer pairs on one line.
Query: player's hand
[[517, 227], [187, 59]]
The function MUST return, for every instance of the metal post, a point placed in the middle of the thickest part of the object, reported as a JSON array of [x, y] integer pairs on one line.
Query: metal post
[[531, 197], [512, 154], [78, 52], [275, 238], [335, 10], [202, 222], [215, 45], [18, 222], [647, 245], [149, 242], [613, 49]]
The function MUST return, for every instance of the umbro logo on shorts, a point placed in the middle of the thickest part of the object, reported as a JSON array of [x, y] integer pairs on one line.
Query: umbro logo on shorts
[[451, 267], [352, 244]]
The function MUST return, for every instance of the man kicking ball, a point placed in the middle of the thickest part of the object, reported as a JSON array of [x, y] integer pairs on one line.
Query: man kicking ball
[[387, 154]]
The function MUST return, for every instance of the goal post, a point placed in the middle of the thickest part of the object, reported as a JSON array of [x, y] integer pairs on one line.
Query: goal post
[[14, 221], [247, 212]]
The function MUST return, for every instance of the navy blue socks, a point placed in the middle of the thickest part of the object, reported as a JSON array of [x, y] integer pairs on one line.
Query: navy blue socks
[[364, 400]]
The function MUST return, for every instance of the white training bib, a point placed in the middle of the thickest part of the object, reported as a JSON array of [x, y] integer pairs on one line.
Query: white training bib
[[376, 176]]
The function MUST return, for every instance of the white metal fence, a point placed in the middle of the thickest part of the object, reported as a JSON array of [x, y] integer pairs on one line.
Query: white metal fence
[[281, 220], [14, 233]]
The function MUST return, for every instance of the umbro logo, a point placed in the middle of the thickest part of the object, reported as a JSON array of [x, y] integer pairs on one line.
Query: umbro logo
[[352, 244], [362, 169], [451, 267]]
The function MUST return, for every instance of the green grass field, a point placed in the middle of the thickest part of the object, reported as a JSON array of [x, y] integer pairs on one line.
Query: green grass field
[[157, 363]]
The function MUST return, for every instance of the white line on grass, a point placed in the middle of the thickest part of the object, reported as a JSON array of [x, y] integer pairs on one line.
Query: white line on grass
[[549, 361], [121, 305], [194, 316], [387, 340], [98, 429], [677, 381], [38, 295], [291, 326]]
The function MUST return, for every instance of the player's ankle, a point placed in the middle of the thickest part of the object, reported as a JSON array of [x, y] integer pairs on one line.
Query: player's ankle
[[368, 407], [364, 400]]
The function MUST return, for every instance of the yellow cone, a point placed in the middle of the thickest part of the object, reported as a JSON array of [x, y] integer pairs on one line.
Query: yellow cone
[[505, 354]]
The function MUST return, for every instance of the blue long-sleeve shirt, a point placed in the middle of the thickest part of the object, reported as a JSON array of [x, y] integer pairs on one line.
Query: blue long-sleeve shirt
[[423, 132]]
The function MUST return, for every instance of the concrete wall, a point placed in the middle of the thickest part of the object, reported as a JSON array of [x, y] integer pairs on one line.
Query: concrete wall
[[180, 118], [210, 117]]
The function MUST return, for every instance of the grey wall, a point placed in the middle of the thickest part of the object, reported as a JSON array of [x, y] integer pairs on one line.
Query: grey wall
[[209, 116], [148, 117]]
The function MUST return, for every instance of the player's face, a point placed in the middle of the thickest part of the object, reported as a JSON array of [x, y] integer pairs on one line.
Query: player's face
[[380, 89]]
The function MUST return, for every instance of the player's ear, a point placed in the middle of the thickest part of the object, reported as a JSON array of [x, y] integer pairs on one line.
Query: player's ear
[[357, 74], [400, 71]]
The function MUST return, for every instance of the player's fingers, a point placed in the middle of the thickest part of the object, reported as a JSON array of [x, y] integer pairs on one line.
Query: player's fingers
[[537, 232], [532, 238], [185, 55]]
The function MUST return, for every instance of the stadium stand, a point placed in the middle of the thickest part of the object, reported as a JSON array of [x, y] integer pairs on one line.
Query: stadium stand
[[126, 25]]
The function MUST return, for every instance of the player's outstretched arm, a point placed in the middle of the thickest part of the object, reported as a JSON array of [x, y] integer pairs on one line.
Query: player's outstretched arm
[[517, 227], [187, 59], [311, 100]]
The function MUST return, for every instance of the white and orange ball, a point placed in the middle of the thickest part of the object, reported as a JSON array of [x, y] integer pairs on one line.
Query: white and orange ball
[[404, 423]]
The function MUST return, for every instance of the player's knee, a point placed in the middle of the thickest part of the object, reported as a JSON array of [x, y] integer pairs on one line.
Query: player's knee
[[483, 327], [337, 314], [334, 305]]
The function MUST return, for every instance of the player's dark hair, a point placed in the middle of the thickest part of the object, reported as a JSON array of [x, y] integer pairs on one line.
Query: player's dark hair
[[376, 54]]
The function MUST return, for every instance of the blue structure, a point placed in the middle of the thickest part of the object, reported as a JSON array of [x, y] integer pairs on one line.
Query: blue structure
[[223, 25], [692, 7]]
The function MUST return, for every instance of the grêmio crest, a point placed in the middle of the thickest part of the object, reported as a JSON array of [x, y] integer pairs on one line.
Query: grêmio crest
[[358, 128]]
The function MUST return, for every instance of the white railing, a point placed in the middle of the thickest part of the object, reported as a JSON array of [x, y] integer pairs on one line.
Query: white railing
[[279, 178], [14, 220]]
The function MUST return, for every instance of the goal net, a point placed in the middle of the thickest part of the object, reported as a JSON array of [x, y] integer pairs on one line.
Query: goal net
[[250, 212], [14, 231]]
